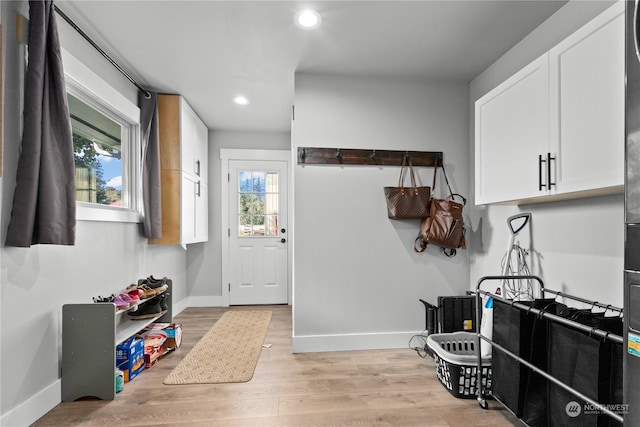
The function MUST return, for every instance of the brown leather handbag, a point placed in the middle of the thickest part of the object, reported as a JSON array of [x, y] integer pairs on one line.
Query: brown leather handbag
[[444, 226], [407, 202]]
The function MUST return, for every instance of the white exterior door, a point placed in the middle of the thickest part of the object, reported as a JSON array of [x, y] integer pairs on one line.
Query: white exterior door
[[258, 232]]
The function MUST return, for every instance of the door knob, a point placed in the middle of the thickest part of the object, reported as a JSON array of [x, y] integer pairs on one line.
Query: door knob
[[283, 240]]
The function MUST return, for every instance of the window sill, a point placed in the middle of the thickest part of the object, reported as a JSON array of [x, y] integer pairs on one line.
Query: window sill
[[89, 212]]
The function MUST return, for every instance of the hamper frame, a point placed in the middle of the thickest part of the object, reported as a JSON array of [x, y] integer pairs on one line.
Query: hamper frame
[[605, 335]]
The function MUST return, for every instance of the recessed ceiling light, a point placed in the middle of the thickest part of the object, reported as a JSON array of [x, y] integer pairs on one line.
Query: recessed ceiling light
[[241, 100], [308, 19]]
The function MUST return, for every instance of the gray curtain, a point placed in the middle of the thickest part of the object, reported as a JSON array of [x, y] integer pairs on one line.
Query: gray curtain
[[151, 186], [44, 202]]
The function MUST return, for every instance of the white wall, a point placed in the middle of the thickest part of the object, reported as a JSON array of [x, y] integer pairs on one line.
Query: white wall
[[357, 280], [577, 245], [204, 260], [36, 282]]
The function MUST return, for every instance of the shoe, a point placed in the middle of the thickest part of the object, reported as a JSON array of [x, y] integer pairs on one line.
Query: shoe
[[159, 285], [147, 311], [128, 298], [119, 302], [163, 301], [154, 280], [135, 294], [147, 292]]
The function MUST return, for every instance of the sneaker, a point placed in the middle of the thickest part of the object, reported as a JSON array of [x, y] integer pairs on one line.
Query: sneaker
[[160, 285], [163, 301], [119, 302], [147, 311], [146, 292], [135, 294], [128, 298]]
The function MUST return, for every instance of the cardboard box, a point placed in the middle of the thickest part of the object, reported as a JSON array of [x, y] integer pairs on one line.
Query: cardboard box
[[151, 356], [153, 342], [173, 332], [130, 357]]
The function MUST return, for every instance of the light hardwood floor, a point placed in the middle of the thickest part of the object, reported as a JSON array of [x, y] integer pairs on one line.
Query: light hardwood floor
[[363, 388]]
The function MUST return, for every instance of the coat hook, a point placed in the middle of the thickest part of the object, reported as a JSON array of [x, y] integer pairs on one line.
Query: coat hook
[[372, 156], [338, 155]]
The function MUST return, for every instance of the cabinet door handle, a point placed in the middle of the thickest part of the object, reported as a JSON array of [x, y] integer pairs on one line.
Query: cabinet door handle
[[549, 183], [198, 167], [198, 189], [540, 162]]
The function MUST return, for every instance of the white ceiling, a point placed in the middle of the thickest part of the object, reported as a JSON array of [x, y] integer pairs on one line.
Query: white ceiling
[[210, 51]]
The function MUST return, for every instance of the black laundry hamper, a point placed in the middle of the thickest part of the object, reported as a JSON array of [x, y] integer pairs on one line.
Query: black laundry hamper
[[523, 334], [588, 364]]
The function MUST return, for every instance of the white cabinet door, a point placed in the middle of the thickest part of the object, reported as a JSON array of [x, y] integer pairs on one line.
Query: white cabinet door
[[587, 105], [189, 139], [202, 150], [511, 130], [188, 211], [202, 212]]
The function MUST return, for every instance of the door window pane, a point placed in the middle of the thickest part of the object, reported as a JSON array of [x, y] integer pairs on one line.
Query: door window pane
[[257, 203]]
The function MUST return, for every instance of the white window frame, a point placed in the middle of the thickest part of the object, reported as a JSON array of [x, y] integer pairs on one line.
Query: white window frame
[[91, 89]]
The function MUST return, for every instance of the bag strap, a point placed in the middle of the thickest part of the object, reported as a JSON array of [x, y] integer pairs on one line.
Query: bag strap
[[400, 178], [453, 195], [411, 173], [451, 252], [413, 178], [435, 173], [444, 172]]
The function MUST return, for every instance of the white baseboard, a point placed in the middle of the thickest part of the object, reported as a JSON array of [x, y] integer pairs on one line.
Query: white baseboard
[[204, 301], [348, 342], [31, 410]]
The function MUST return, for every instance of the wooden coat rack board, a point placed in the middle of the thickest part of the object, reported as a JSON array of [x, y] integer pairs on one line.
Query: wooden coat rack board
[[349, 156]]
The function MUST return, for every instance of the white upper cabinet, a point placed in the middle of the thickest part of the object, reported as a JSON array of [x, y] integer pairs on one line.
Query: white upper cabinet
[[587, 110], [555, 130], [512, 128]]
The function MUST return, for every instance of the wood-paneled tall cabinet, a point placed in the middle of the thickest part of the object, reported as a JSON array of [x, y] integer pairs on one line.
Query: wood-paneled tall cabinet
[[184, 169]]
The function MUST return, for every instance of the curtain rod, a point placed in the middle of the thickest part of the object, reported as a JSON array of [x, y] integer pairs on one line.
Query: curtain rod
[[102, 52]]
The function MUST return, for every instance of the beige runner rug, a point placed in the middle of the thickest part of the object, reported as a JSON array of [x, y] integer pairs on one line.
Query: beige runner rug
[[227, 353]]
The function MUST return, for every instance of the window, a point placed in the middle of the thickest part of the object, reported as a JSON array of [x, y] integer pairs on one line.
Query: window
[[106, 144], [257, 203], [97, 145]]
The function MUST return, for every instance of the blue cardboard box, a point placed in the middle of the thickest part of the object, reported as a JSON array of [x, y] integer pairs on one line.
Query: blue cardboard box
[[130, 357]]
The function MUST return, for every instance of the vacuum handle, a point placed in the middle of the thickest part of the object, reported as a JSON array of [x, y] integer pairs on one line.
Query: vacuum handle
[[511, 219]]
